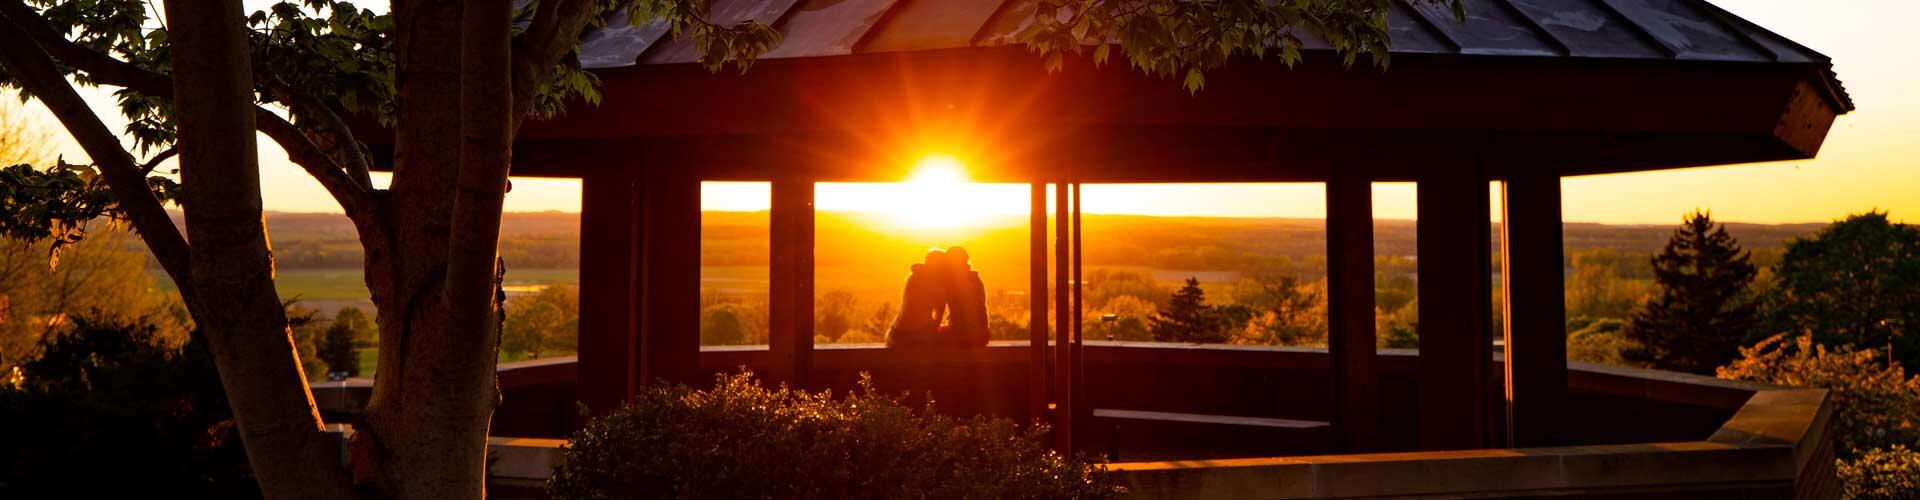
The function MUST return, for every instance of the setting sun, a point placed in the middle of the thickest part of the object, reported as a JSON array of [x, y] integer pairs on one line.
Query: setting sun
[[935, 196]]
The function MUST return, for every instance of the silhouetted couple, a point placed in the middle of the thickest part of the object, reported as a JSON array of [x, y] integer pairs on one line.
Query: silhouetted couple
[[943, 289]]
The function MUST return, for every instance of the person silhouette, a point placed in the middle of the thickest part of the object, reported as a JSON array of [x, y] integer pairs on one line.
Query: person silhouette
[[923, 305], [966, 297]]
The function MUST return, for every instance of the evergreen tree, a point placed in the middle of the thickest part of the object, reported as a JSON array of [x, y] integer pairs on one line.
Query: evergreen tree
[[365, 333], [1188, 318], [336, 349], [1704, 312]]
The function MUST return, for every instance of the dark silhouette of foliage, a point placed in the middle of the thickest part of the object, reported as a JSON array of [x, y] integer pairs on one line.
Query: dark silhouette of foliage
[[1855, 283], [1704, 311], [1188, 318], [336, 349], [742, 440], [115, 411], [834, 314], [365, 333]]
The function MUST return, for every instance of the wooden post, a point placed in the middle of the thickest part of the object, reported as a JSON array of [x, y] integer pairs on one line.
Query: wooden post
[[670, 293], [1536, 335], [1455, 267], [1063, 336], [790, 280], [1083, 406], [609, 317], [1350, 339], [1039, 373]]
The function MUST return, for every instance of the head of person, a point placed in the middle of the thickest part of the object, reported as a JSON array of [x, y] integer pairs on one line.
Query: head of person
[[957, 256], [936, 259]]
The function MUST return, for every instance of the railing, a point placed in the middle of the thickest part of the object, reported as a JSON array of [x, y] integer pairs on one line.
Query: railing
[[1641, 431]]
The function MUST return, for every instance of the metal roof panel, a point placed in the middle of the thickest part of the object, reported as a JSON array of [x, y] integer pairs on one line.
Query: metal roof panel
[[1407, 32], [619, 43], [1014, 17], [1659, 30], [926, 25], [1688, 31], [1490, 29], [724, 13], [1588, 30], [827, 27]]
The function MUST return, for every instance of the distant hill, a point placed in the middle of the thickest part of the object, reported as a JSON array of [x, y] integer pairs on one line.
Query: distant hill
[[551, 239]]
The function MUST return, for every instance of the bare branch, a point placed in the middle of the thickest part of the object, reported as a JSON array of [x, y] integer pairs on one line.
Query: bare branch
[[34, 70]]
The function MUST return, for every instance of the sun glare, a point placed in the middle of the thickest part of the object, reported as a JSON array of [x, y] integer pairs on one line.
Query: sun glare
[[935, 195]]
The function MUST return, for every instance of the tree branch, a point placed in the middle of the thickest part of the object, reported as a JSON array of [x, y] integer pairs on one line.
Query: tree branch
[[314, 158], [555, 31], [147, 168], [327, 132], [101, 67], [303, 152], [34, 70]]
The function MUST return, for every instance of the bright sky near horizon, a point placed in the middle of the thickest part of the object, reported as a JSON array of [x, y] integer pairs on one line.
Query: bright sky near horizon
[[1871, 159]]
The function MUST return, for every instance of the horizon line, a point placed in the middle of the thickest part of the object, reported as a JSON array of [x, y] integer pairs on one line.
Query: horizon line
[[1122, 214]]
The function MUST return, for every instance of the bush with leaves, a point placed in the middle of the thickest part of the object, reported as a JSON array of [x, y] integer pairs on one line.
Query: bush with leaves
[[742, 440], [1855, 283], [119, 402], [1883, 474], [1876, 405]]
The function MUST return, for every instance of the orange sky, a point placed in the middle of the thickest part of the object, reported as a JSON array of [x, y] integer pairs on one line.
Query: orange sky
[[1871, 158]]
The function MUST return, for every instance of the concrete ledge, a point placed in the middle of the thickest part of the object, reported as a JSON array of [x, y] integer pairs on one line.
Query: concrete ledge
[[523, 459], [1764, 447]]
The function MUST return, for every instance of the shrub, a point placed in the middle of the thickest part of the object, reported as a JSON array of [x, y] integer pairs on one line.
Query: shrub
[[111, 411], [1889, 473], [741, 440], [1875, 405]]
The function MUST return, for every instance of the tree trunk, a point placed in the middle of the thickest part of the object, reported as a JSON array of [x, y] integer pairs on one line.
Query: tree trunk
[[238, 309], [433, 399]]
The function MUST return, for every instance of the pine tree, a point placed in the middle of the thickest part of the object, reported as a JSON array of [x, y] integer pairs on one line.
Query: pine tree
[[336, 349], [1188, 318], [1704, 312]]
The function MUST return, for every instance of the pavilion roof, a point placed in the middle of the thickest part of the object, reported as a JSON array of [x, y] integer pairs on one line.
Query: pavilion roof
[[1635, 30]]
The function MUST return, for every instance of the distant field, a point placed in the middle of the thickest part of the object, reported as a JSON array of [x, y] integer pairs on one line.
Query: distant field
[[328, 290]]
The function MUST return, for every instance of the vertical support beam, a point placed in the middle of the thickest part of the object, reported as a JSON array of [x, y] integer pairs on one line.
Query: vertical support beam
[[1063, 336], [790, 280], [1083, 408], [609, 279], [1350, 339], [1039, 373], [1536, 307], [1456, 304], [670, 292]]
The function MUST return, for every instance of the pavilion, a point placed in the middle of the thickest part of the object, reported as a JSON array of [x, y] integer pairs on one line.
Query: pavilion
[[1524, 92]]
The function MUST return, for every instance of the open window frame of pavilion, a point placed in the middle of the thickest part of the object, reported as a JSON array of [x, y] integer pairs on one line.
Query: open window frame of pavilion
[[1522, 92]]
